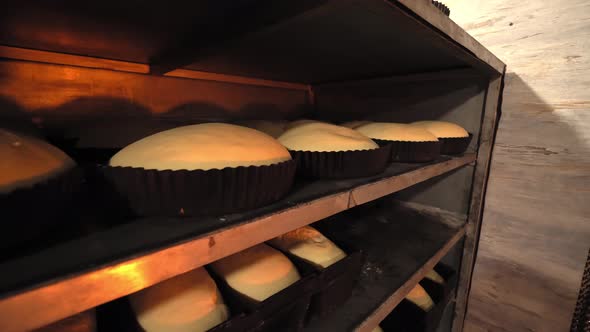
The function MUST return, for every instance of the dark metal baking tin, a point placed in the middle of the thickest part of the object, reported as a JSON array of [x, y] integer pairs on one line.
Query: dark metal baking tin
[[454, 145], [334, 283], [341, 164], [412, 152], [283, 311], [200, 192], [30, 212], [408, 317]]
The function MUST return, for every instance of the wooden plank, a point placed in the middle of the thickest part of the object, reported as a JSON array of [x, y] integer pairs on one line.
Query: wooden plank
[[372, 191], [478, 191], [55, 299], [201, 75], [72, 60], [445, 75], [536, 227], [415, 239], [17, 53], [106, 108], [426, 11]]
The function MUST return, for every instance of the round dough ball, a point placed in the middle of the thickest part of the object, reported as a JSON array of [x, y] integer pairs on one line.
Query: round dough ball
[[434, 276], [355, 124], [419, 297], [187, 303], [324, 137], [443, 129], [257, 272], [396, 132], [300, 122], [26, 161], [309, 244], [204, 147], [271, 128], [377, 329]]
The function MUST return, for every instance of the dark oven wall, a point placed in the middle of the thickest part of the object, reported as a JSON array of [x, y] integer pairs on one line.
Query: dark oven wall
[[457, 96]]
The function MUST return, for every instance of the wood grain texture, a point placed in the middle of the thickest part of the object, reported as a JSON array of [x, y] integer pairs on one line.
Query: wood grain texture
[[478, 192], [105, 108], [536, 225]]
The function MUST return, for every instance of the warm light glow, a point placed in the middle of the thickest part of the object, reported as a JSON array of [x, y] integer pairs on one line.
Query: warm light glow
[[26, 160], [129, 273]]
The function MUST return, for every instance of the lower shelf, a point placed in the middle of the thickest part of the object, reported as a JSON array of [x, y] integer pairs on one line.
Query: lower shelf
[[114, 262], [405, 243]]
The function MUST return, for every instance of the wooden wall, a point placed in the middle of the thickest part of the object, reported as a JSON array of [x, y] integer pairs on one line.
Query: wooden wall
[[104, 108], [536, 227]]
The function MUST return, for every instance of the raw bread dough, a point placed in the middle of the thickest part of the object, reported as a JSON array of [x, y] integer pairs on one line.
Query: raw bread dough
[[396, 132], [419, 297], [309, 244], [355, 124], [434, 276], [377, 329], [300, 122], [324, 137], [27, 160], [190, 302], [203, 146], [443, 129], [271, 128], [257, 272]]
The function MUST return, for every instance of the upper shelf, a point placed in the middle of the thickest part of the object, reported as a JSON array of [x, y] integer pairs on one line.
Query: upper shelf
[[300, 41], [78, 275]]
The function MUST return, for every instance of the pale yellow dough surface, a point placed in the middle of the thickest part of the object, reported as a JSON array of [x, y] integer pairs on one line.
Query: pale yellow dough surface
[[309, 244], [297, 123], [419, 297], [203, 146], [354, 124], [377, 329], [443, 129], [396, 132], [324, 137], [26, 161], [271, 128], [434, 276], [190, 302], [257, 272]]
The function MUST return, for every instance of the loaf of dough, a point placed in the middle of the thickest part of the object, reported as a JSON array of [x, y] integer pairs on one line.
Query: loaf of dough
[[396, 132], [419, 297], [310, 245], [271, 128], [26, 160], [377, 329], [355, 124], [434, 276], [257, 272], [202, 147], [190, 302], [297, 123], [324, 137], [443, 129]]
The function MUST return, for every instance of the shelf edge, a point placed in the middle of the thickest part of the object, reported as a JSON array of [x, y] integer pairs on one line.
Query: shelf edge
[[394, 299]]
